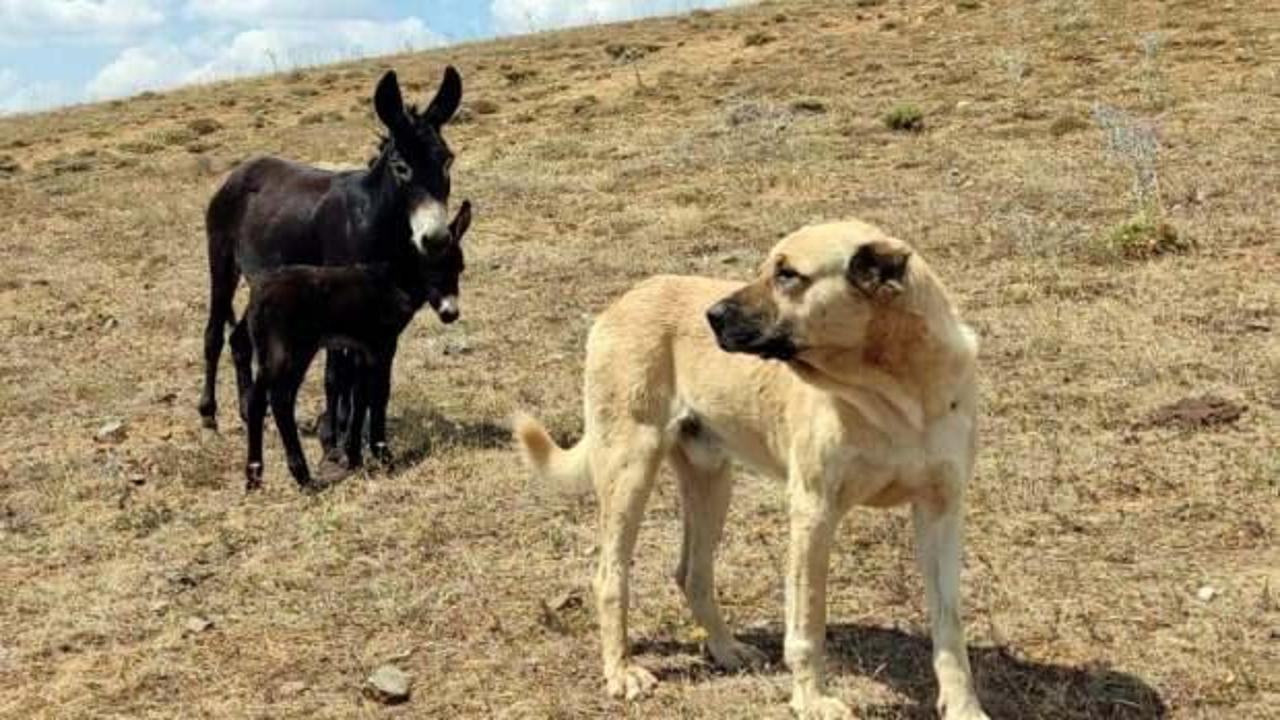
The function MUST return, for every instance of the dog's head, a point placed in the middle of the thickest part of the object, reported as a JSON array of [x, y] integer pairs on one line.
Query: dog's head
[[821, 288]]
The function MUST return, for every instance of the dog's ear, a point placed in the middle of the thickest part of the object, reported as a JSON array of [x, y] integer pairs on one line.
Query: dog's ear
[[445, 103], [389, 104], [461, 222], [878, 269]]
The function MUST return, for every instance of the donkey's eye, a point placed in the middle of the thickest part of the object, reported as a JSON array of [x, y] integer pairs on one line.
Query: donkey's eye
[[401, 170]]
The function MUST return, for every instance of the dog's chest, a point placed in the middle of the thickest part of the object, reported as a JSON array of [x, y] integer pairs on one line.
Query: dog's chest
[[885, 471]]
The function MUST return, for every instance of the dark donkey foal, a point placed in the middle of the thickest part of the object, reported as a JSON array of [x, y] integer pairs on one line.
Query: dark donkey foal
[[271, 213], [296, 310]]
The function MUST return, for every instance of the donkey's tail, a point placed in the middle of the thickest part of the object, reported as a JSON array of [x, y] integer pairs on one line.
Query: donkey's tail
[[567, 470]]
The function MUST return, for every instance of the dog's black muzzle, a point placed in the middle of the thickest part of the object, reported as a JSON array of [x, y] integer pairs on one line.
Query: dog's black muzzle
[[738, 332]]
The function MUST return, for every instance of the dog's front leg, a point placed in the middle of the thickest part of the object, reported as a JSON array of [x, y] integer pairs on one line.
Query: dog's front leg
[[939, 529], [813, 522]]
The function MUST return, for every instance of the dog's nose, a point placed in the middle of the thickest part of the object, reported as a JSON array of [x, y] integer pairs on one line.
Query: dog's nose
[[717, 315]]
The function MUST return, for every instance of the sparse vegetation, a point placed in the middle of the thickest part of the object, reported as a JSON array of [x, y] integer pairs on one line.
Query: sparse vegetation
[[204, 126], [1139, 238], [1151, 74], [904, 118], [136, 582]]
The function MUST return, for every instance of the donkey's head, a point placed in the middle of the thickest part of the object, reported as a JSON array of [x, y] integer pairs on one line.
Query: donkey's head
[[416, 154], [443, 266]]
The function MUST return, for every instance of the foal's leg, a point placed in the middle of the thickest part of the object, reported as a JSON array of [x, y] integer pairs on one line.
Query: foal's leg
[[284, 397], [379, 396], [256, 411]]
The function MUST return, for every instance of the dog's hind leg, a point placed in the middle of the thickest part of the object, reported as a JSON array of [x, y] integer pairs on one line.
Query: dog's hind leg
[[704, 504], [624, 472], [939, 529]]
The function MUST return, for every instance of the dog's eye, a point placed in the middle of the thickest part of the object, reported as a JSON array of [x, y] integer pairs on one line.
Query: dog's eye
[[787, 277]]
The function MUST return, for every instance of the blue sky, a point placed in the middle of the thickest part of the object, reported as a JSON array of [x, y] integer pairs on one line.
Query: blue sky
[[55, 52]]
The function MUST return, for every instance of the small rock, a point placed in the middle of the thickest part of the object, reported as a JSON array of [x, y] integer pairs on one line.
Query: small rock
[[293, 688], [962, 104], [388, 685], [566, 601], [112, 432], [1206, 593], [109, 324], [457, 346], [197, 625]]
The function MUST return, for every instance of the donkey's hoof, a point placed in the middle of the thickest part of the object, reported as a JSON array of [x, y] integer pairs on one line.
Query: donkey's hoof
[[252, 477], [312, 486], [332, 470], [382, 454]]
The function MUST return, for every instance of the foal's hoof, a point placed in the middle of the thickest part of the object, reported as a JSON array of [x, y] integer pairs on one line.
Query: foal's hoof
[[208, 422], [252, 477]]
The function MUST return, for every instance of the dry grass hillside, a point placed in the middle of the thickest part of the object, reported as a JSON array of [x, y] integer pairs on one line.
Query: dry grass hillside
[[1122, 558]]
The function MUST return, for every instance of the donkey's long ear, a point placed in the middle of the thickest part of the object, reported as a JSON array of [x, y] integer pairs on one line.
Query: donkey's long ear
[[461, 222], [445, 103], [388, 103], [879, 269]]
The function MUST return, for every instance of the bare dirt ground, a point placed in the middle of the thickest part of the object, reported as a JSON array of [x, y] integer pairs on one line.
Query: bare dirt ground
[[1122, 557]]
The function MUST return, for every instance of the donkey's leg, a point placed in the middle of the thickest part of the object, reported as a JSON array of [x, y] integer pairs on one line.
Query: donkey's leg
[[223, 278], [353, 440], [379, 396], [242, 355], [330, 431]]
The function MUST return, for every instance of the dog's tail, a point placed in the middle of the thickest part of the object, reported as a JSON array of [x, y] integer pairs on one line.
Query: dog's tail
[[566, 470]]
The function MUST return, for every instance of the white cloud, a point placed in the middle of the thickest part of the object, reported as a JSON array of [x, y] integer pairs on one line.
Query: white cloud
[[33, 21], [140, 68], [245, 11], [516, 16], [277, 46]]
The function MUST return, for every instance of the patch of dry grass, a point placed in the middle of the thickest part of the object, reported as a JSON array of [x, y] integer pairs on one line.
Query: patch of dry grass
[[1091, 532]]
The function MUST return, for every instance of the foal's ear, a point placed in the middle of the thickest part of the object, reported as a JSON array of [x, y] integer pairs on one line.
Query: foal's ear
[[461, 222], [445, 103], [388, 103], [878, 269]]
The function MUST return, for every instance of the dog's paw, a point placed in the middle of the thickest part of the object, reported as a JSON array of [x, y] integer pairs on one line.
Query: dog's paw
[[820, 707], [966, 708], [631, 682], [736, 656]]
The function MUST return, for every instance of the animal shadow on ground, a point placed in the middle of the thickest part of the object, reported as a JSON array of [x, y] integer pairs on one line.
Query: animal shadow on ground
[[1010, 687], [417, 432]]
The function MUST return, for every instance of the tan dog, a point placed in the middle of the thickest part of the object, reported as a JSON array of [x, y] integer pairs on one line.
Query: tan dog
[[872, 402]]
